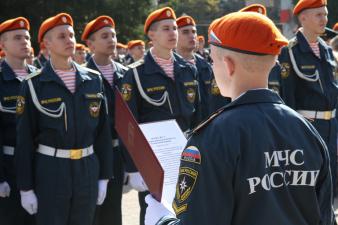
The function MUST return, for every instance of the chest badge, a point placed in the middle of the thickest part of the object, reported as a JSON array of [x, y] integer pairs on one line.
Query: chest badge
[[214, 88], [126, 92], [191, 95], [94, 109], [20, 105], [285, 70]]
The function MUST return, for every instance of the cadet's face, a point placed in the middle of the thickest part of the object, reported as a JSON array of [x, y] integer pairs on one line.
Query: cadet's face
[[187, 38], [104, 41], [80, 56], [138, 51], [166, 34], [61, 41], [16, 43], [315, 20], [220, 70]]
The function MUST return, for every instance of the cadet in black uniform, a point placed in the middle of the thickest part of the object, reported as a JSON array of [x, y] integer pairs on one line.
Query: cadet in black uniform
[[15, 41], [100, 36], [64, 150], [211, 98], [256, 161], [306, 75], [162, 86]]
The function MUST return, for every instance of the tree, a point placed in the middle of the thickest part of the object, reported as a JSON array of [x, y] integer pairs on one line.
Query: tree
[[129, 15]]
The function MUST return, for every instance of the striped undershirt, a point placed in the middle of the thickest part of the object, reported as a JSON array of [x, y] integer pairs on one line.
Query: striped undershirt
[[68, 77], [315, 48], [108, 72], [191, 61], [20, 73], [166, 64]]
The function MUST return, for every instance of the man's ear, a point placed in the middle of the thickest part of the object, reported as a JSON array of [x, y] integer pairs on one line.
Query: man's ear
[[230, 65], [151, 35]]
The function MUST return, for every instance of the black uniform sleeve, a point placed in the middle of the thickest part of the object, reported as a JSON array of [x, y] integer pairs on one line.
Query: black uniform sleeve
[[25, 141], [198, 116], [2, 175], [131, 96], [287, 79], [324, 186], [204, 191], [103, 144]]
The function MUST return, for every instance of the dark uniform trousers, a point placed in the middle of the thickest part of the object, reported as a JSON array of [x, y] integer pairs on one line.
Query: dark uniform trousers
[[211, 98], [309, 91], [179, 99], [11, 212], [254, 162], [66, 188], [110, 212]]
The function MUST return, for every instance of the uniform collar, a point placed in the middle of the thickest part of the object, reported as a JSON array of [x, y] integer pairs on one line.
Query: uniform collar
[[118, 72], [304, 44], [50, 75], [8, 73], [256, 96]]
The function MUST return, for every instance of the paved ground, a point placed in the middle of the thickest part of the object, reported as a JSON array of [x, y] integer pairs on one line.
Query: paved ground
[[131, 208]]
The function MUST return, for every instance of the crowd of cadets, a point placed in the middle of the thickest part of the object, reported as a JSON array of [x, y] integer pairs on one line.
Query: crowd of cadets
[[61, 160]]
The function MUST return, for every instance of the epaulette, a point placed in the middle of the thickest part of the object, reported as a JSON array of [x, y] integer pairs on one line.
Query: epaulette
[[91, 70], [206, 122], [34, 74], [136, 64], [292, 42]]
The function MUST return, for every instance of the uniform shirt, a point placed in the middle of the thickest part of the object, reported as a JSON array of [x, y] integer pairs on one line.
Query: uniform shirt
[[182, 104], [108, 72], [82, 124], [68, 78], [255, 162], [10, 83], [109, 88], [166, 64]]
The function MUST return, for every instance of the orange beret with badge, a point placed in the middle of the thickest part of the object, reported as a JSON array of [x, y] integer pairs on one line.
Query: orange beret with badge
[[255, 8], [80, 47], [134, 43], [308, 4], [200, 38], [97, 24], [248, 33], [158, 15], [335, 27], [120, 45], [58, 20], [185, 21], [19, 23]]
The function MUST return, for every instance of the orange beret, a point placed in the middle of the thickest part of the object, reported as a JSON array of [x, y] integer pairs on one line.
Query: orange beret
[[80, 47], [14, 24], [97, 24], [254, 8], [308, 4], [2, 54], [335, 27], [158, 15], [247, 32], [200, 38], [185, 21], [120, 45], [50, 23], [134, 43]]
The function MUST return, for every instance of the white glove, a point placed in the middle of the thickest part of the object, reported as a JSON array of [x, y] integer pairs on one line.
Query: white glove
[[29, 201], [136, 181], [5, 189], [155, 211], [102, 191]]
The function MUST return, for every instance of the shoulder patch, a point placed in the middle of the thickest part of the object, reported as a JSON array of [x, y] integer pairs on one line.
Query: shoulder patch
[[292, 42], [91, 70], [34, 74], [206, 122], [136, 64]]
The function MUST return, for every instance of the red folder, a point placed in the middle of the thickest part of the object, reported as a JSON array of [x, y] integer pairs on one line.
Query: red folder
[[138, 147]]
